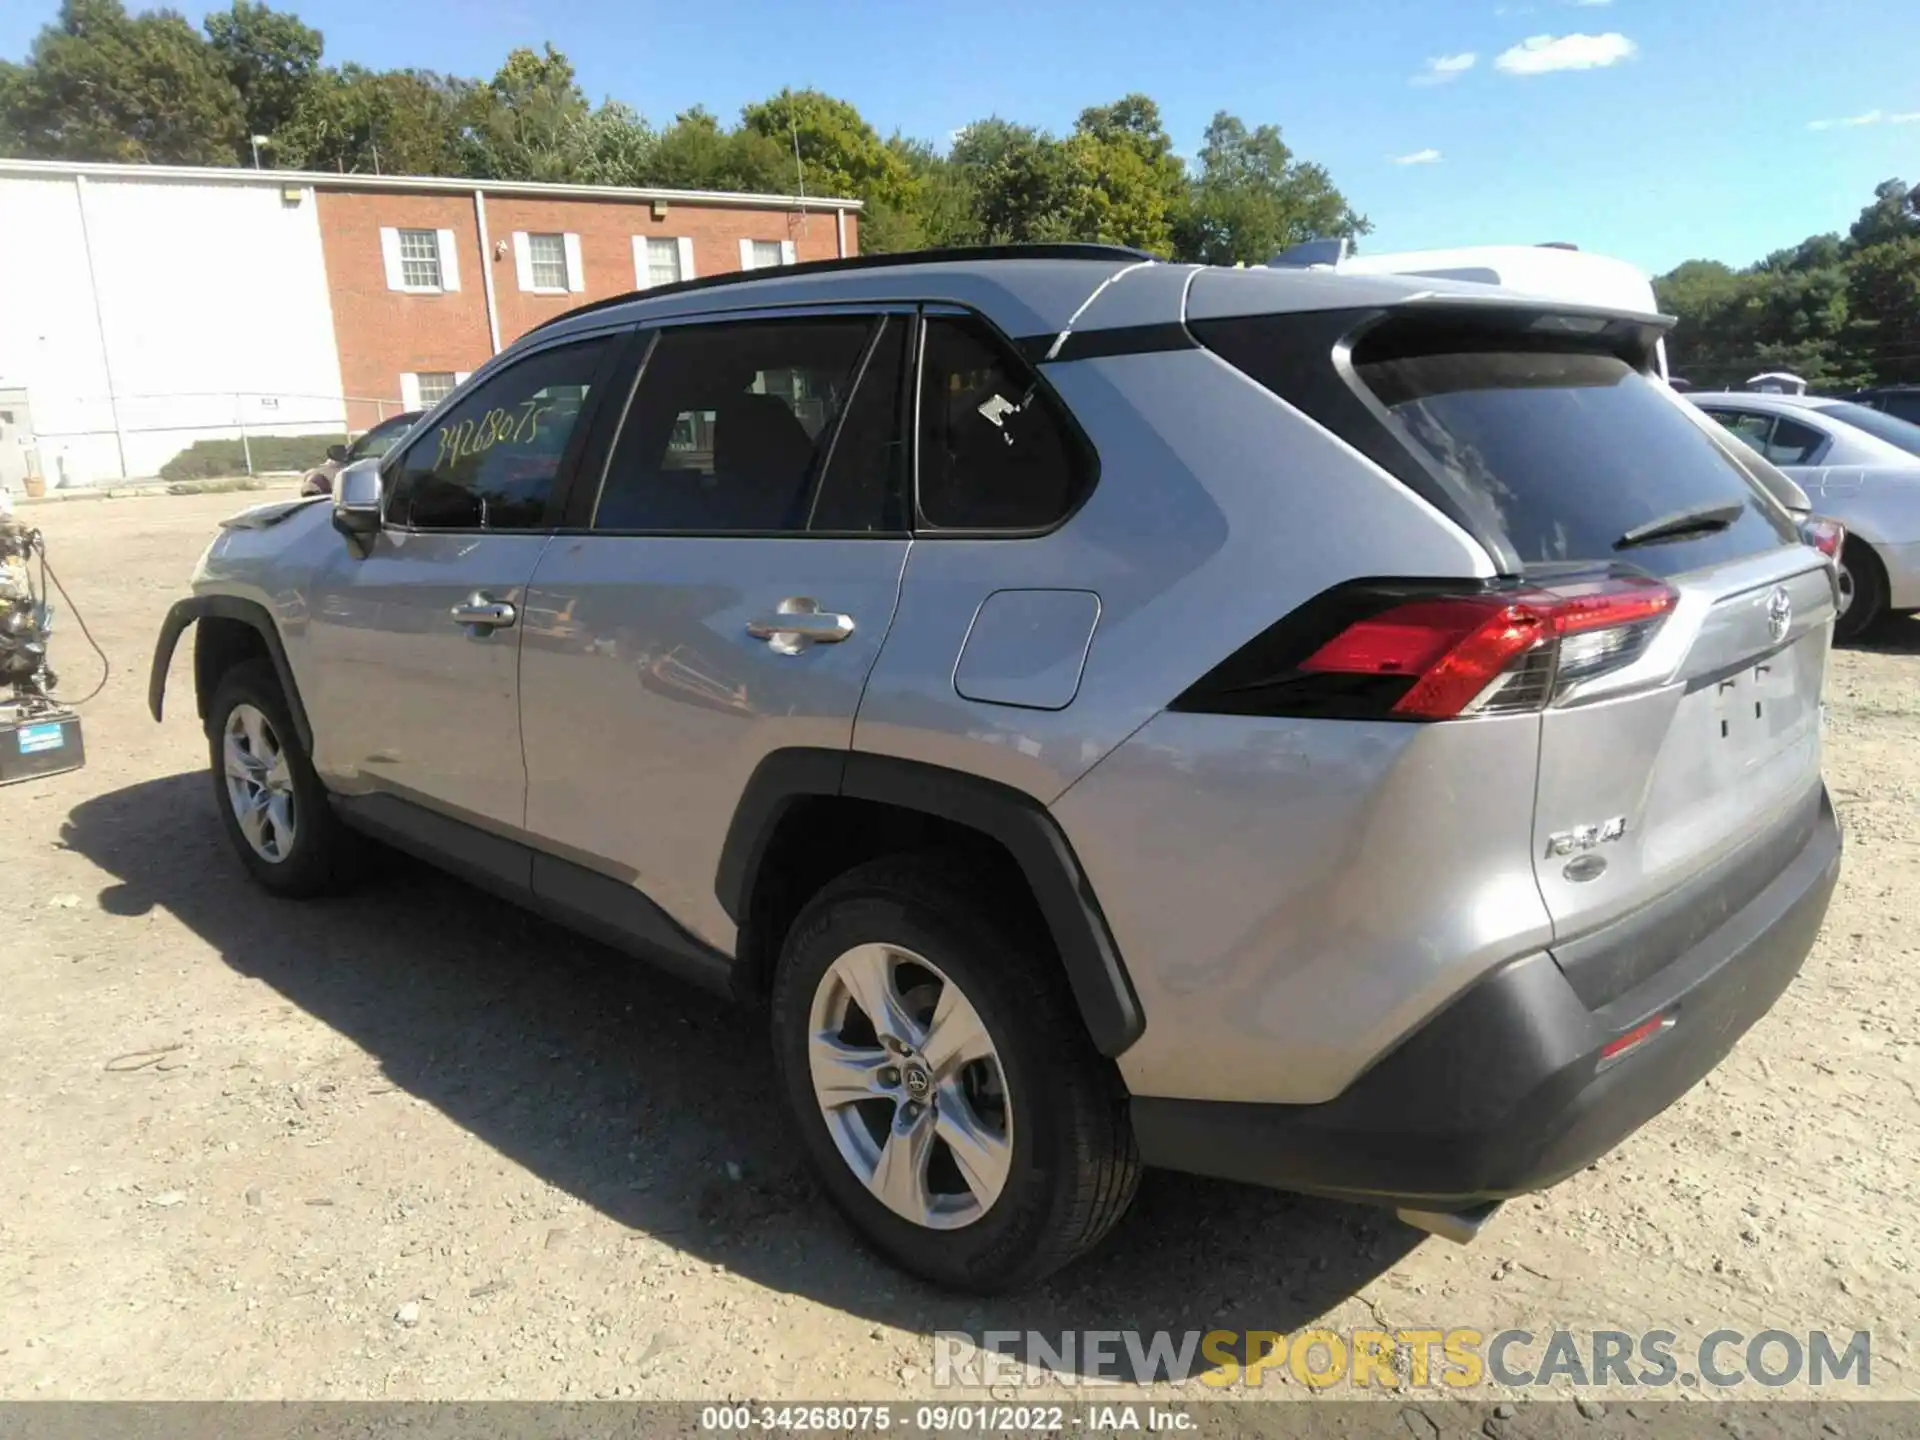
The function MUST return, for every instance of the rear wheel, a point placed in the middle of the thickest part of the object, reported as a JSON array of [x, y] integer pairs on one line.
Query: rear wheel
[[1863, 590], [948, 1096], [272, 805]]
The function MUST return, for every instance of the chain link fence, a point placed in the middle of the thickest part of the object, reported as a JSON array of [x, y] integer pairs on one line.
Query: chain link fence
[[81, 441]]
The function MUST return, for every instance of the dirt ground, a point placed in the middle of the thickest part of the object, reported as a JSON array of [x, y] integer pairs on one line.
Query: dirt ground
[[416, 1144]]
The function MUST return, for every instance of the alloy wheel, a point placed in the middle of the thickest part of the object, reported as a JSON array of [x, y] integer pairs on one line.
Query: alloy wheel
[[259, 783], [912, 1089]]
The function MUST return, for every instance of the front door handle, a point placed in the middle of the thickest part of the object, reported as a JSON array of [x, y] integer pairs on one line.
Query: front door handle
[[484, 614], [798, 622]]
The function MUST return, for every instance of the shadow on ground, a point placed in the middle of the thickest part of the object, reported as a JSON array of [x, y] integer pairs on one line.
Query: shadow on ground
[[1891, 635], [635, 1093]]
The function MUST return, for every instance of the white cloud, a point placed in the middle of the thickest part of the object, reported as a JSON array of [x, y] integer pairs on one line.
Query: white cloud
[[1871, 117], [1443, 68], [1543, 54], [1420, 157]]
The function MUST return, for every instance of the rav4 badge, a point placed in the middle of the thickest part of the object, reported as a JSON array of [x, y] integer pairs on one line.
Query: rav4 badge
[[1585, 837]]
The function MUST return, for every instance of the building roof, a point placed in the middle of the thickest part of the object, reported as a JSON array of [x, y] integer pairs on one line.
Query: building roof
[[325, 180]]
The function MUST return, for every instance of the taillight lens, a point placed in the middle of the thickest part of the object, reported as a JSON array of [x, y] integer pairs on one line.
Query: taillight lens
[[1382, 652], [1826, 536]]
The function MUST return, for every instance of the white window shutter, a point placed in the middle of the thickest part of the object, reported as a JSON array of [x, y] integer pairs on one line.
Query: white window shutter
[[460, 377], [409, 390], [746, 254], [522, 260], [685, 242], [390, 254], [576, 273], [786, 252], [639, 262], [449, 261]]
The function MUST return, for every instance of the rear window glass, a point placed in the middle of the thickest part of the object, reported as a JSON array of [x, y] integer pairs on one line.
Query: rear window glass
[[1897, 432], [1571, 452]]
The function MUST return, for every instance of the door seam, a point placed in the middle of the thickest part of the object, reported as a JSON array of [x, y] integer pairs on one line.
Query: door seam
[[519, 702]]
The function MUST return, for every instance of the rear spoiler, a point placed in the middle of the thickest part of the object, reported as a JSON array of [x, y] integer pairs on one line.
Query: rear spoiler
[[1311, 252]]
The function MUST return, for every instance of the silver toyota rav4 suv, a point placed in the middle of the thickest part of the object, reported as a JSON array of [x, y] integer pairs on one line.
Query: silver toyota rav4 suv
[[1353, 735]]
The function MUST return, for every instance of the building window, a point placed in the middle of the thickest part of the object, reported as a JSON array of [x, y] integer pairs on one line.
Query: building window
[[663, 261], [547, 259], [766, 254], [434, 386], [547, 264], [420, 259]]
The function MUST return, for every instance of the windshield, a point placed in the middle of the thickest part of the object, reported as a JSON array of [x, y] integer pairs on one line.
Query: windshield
[[1890, 428], [381, 438]]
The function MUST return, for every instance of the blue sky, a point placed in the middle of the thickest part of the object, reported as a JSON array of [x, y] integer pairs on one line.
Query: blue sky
[[1662, 130]]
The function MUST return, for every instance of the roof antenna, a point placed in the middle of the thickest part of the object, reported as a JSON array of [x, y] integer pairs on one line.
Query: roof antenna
[[799, 170]]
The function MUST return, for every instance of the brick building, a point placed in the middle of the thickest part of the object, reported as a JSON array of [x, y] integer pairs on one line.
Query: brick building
[[150, 306]]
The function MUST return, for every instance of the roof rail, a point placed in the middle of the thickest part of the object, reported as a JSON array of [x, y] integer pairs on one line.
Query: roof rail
[[1556, 245], [951, 254]]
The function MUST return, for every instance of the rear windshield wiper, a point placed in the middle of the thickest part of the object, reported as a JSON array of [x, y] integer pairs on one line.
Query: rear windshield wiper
[[1698, 520]]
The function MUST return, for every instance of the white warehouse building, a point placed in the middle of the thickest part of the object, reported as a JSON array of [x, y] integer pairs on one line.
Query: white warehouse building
[[144, 308], [137, 318]]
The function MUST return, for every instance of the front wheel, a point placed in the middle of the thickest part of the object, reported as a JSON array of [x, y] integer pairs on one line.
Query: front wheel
[[946, 1091], [272, 805]]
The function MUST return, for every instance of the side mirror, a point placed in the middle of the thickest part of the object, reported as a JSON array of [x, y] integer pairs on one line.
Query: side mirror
[[356, 504], [337, 454]]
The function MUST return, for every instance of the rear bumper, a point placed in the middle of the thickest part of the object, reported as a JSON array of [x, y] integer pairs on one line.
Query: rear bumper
[[1504, 1091], [1903, 575]]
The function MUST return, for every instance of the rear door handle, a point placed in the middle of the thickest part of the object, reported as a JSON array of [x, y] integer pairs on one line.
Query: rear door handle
[[798, 622], [484, 614]]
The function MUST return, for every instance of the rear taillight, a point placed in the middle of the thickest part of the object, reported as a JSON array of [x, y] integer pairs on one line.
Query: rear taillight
[[1397, 652], [1826, 536]]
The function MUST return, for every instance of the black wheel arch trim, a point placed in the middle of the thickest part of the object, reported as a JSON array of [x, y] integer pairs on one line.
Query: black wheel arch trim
[[1019, 823], [225, 607]]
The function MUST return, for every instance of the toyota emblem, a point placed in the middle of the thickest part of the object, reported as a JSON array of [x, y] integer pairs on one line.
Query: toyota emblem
[[1779, 613]]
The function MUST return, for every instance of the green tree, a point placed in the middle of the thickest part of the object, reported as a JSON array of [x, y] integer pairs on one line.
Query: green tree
[[1025, 187], [1251, 199], [271, 60], [1883, 291], [381, 122], [612, 146], [102, 85], [938, 209], [1131, 187], [526, 123], [697, 153], [839, 153], [1118, 196], [1893, 215]]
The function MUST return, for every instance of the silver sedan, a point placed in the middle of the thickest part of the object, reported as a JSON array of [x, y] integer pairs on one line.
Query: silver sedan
[[1858, 466]]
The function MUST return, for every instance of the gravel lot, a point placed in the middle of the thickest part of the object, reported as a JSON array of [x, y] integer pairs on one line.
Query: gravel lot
[[416, 1144]]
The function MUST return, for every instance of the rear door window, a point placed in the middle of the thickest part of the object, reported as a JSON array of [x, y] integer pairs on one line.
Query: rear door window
[[1794, 443], [1751, 429], [1572, 452], [753, 428]]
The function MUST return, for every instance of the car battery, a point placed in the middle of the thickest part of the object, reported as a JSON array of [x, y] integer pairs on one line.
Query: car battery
[[38, 740]]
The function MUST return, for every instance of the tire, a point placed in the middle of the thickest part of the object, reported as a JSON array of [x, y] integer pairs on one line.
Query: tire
[[301, 849], [1863, 570], [1056, 1120]]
